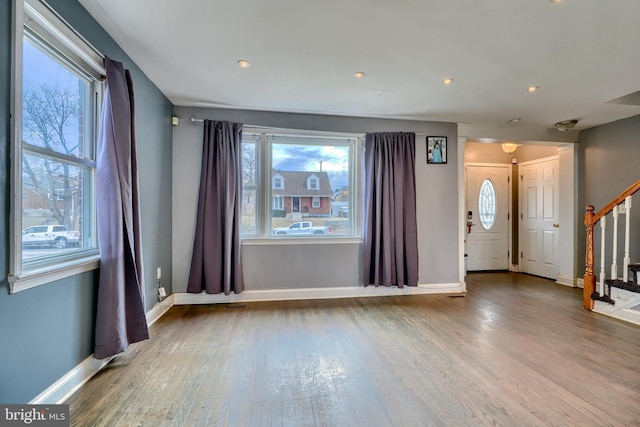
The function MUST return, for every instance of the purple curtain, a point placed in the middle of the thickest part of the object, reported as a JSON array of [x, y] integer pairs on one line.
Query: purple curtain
[[390, 230], [216, 264], [120, 317]]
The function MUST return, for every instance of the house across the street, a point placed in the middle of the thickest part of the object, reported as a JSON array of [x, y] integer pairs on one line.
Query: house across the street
[[301, 193]]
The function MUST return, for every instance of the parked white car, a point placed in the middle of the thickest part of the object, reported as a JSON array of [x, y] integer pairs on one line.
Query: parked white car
[[49, 235], [302, 228]]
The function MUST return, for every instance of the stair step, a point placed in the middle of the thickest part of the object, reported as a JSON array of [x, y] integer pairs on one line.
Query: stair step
[[628, 286]]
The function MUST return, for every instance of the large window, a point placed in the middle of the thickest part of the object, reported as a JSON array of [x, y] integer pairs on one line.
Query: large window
[[57, 91], [308, 180]]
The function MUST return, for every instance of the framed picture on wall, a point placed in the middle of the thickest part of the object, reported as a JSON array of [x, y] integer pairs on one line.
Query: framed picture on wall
[[437, 149]]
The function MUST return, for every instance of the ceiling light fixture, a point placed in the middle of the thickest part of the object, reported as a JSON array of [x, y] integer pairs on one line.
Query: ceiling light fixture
[[243, 63], [515, 121], [509, 147], [358, 75], [532, 88], [566, 125], [447, 81]]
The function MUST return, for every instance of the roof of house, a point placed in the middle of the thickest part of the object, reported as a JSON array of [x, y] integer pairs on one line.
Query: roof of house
[[295, 184]]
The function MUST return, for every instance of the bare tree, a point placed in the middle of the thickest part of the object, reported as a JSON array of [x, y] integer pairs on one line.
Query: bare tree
[[50, 121], [248, 168]]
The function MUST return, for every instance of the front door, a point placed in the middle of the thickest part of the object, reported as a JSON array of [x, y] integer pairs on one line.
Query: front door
[[487, 208], [295, 204], [539, 230]]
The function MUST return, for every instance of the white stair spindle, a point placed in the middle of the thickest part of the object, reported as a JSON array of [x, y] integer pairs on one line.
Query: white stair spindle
[[627, 258], [603, 227], [614, 255]]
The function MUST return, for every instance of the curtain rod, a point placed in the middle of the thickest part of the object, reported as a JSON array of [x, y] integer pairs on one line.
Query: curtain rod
[[197, 120]]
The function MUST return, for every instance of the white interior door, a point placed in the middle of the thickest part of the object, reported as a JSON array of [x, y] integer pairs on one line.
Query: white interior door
[[540, 213], [487, 207]]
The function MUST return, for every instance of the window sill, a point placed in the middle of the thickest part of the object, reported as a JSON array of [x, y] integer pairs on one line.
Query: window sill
[[41, 276]]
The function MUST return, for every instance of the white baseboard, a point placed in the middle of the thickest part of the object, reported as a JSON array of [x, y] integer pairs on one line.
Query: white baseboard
[[319, 293], [62, 389], [567, 281], [580, 282]]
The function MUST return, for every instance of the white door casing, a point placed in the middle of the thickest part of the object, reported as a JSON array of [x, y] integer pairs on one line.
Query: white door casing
[[487, 242], [539, 217]]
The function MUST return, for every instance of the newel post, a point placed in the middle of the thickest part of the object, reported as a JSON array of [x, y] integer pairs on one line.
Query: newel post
[[589, 278]]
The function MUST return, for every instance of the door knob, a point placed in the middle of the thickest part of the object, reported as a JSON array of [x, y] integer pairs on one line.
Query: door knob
[[556, 225]]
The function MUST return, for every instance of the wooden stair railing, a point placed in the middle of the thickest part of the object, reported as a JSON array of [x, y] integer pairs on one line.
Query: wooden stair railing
[[590, 220]]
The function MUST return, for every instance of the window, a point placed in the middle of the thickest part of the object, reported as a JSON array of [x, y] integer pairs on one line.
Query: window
[[278, 203], [304, 172], [57, 94], [487, 204], [313, 183], [278, 182]]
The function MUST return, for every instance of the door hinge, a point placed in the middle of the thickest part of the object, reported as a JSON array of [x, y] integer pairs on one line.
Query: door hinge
[[521, 177], [521, 255], [508, 179]]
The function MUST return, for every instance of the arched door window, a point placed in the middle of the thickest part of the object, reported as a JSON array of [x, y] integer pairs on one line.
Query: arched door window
[[487, 205]]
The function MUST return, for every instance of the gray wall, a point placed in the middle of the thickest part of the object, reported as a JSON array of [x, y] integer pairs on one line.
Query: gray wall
[[608, 157], [46, 331], [286, 266]]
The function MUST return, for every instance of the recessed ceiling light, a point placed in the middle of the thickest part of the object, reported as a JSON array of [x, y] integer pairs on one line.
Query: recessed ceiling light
[[555, 1], [358, 75], [243, 63], [514, 120], [447, 81], [532, 88]]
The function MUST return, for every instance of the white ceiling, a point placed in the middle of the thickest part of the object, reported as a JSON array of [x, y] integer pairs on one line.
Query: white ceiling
[[581, 53]]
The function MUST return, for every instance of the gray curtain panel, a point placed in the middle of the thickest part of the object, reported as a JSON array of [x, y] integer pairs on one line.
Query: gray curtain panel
[[216, 265], [390, 231], [120, 316]]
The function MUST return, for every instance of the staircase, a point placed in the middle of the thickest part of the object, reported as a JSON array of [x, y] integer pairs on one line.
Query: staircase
[[613, 295]]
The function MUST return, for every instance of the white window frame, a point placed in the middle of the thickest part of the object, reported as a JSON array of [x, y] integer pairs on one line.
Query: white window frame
[[265, 194], [278, 203], [315, 202], [313, 183], [278, 182], [44, 21]]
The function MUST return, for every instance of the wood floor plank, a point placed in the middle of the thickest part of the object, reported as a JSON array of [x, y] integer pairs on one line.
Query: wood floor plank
[[516, 351]]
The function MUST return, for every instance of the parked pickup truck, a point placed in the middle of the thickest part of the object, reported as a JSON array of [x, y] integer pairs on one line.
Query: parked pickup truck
[[301, 228], [49, 235]]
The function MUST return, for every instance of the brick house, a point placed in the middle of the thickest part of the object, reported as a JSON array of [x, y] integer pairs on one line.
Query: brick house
[[301, 193]]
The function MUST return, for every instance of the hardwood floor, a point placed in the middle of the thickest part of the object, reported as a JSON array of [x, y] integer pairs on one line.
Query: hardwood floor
[[516, 351]]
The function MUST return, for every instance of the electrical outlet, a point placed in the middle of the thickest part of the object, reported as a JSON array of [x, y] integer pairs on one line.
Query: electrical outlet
[[159, 273], [161, 292]]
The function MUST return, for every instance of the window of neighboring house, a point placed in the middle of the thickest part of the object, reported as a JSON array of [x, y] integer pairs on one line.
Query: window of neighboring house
[[57, 81], [278, 203], [312, 166], [278, 182], [313, 183]]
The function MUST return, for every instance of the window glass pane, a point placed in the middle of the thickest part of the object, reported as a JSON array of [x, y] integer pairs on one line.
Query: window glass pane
[[249, 189], [487, 204], [312, 174], [55, 102], [53, 198]]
